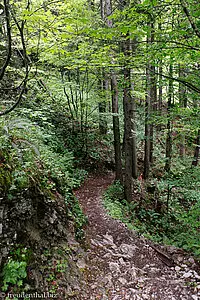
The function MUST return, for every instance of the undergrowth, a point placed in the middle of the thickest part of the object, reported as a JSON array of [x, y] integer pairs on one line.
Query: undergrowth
[[33, 157], [170, 215]]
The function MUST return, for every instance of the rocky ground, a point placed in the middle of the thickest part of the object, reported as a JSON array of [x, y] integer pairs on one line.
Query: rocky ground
[[119, 264]]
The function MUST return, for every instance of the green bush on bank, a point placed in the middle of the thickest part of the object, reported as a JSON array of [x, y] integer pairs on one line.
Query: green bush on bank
[[176, 223]]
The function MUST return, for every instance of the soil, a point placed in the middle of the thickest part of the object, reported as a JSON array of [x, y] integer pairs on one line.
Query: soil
[[120, 264]]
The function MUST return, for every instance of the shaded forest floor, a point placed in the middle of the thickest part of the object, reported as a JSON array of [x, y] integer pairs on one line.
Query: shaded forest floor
[[119, 264]]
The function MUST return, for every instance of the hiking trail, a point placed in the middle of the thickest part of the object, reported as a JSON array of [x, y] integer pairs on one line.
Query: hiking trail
[[119, 264]]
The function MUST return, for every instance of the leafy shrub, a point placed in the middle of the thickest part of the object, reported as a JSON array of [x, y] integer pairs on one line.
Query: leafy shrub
[[115, 192], [76, 213], [177, 224], [13, 273]]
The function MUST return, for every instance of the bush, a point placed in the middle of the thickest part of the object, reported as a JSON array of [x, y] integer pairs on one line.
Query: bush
[[178, 221]]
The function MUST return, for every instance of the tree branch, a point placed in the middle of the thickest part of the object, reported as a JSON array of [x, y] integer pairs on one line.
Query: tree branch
[[26, 64], [190, 19], [7, 111], [183, 81], [9, 38]]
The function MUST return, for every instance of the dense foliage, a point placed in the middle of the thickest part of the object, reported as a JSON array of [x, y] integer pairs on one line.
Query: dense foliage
[[87, 85]]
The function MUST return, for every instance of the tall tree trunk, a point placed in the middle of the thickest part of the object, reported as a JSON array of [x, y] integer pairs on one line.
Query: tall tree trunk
[[148, 147], [153, 91], [153, 107], [129, 118], [116, 128], [169, 123], [128, 125], [160, 94], [147, 128], [106, 10], [102, 104], [160, 88], [182, 103], [134, 146]]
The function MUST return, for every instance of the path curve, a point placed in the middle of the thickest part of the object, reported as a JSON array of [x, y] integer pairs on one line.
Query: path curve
[[119, 264]]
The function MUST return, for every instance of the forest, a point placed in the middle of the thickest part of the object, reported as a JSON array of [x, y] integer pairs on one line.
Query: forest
[[99, 149]]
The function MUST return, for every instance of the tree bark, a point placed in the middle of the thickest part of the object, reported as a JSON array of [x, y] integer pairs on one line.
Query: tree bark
[[153, 107], [160, 95], [116, 128], [169, 124], [106, 10], [148, 147], [128, 126], [197, 151], [102, 105], [182, 103], [153, 89], [134, 146], [147, 129], [160, 88]]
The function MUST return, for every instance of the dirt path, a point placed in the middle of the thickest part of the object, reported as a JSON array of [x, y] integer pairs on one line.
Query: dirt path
[[120, 265]]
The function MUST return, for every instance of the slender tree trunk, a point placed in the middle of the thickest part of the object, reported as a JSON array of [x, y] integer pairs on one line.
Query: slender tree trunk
[[153, 107], [102, 120], [106, 10], [196, 98], [147, 128], [102, 105], [151, 102], [9, 38], [160, 94], [105, 7], [169, 123], [148, 147], [160, 88], [197, 151], [86, 111], [182, 89], [153, 90], [182, 103], [116, 128], [80, 96], [134, 149]]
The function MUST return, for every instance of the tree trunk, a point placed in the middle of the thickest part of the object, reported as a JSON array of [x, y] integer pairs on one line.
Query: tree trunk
[[148, 147], [116, 128], [197, 151], [153, 91], [160, 94], [182, 103], [128, 125], [169, 123], [102, 120], [153, 107], [147, 129], [102, 105], [106, 10], [160, 88], [134, 146]]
